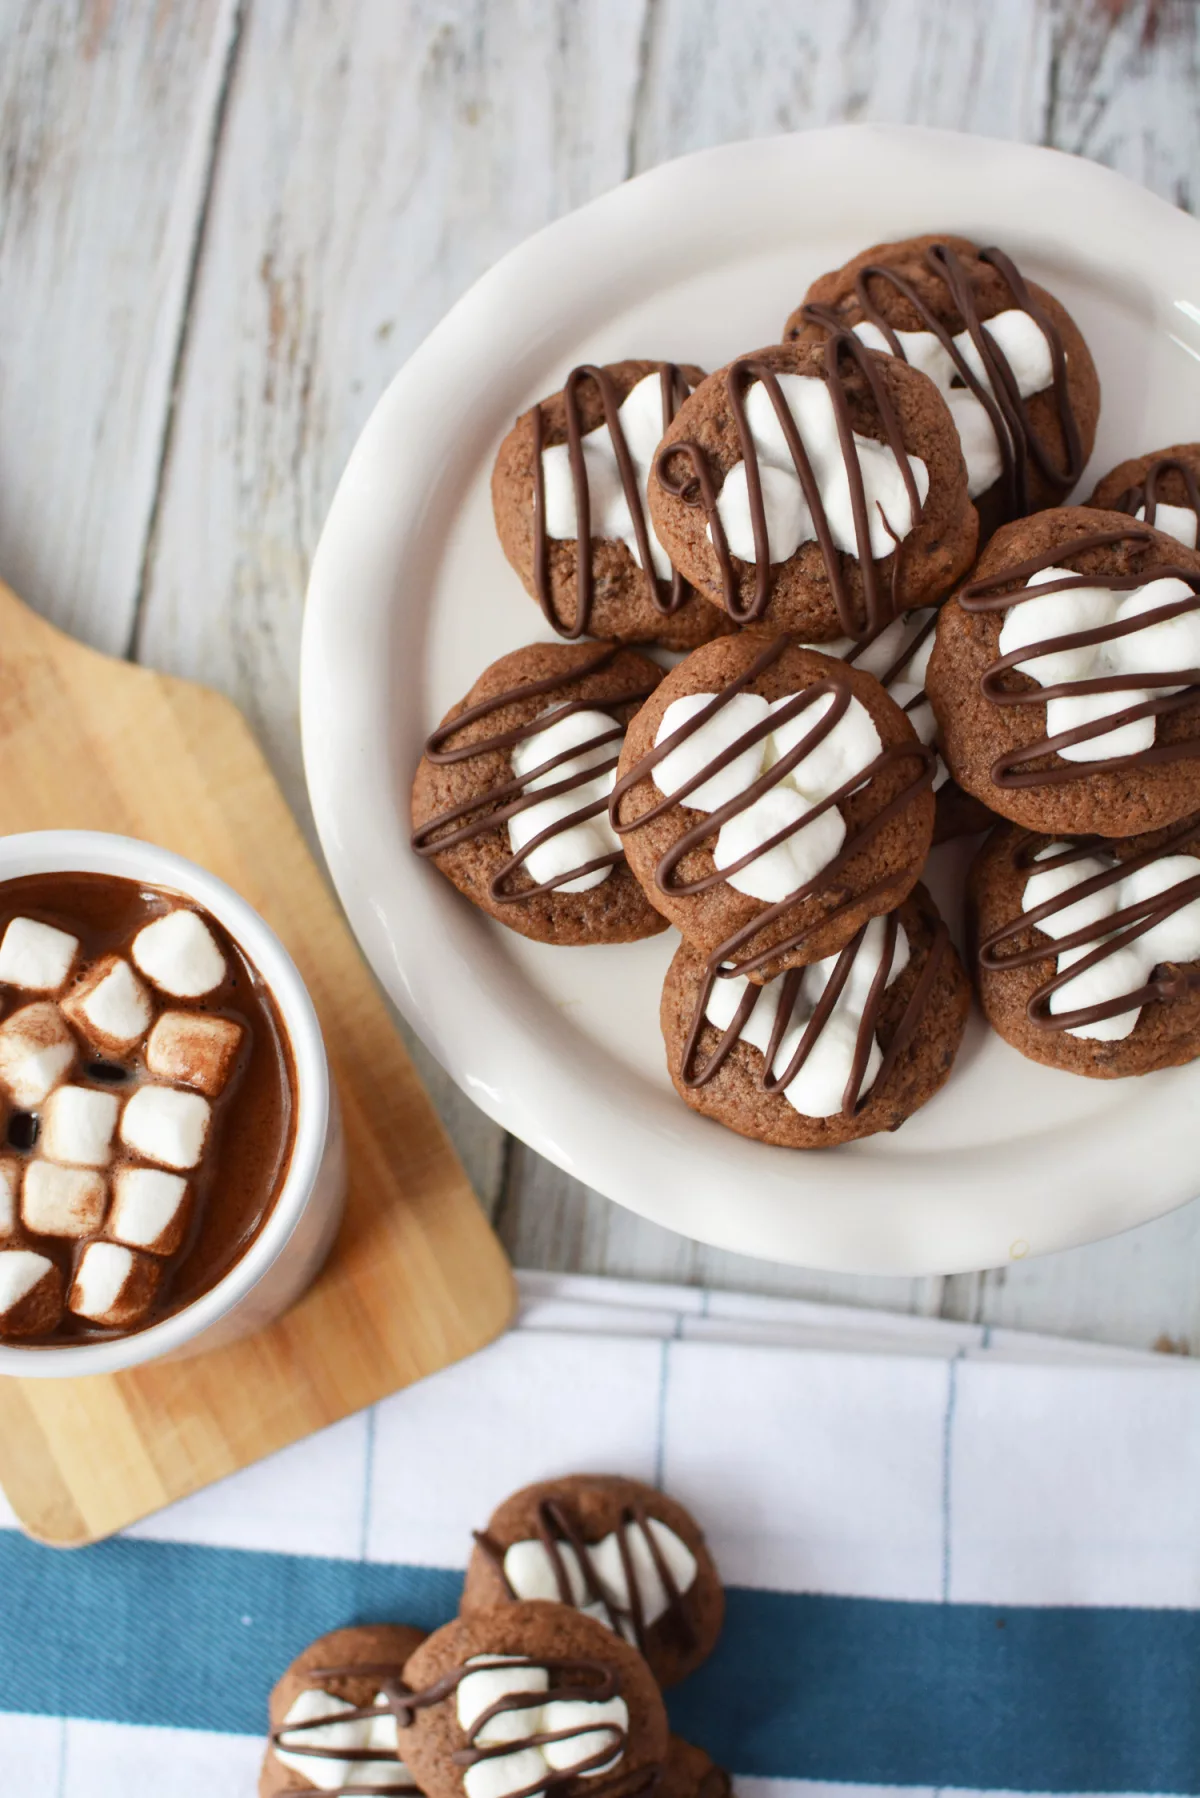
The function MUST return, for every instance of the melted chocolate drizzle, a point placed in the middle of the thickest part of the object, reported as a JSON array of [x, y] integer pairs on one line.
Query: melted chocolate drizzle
[[674, 391], [1018, 442], [1104, 937], [696, 487], [853, 1097], [836, 684], [492, 809], [394, 1691], [985, 596], [556, 1525], [1146, 495]]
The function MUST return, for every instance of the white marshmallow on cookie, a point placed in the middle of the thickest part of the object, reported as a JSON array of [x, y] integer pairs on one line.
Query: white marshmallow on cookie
[[149, 1209], [78, 1124], [36, 956], [113, 1286], [110, 1005], [179, 954], [305, 1750], [37, 1052], [62, 1201], [575, 841], [165, 1125], [31, 1301], [194, 1049]]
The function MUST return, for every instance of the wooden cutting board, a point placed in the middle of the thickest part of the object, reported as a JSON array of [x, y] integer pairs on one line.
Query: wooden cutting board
[[416, 1279]]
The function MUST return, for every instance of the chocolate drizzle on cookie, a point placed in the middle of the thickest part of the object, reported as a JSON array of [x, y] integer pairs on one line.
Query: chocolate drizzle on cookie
[[836, 685], [1145, 495], [570, 1681], [987, 596], [392, 1689], [665, 598], [492, 809], [694, 485], [999, 395], [1102, 938], [557, 1527]]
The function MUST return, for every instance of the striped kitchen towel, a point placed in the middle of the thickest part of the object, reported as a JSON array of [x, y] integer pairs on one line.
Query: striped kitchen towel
[[956, 1560]]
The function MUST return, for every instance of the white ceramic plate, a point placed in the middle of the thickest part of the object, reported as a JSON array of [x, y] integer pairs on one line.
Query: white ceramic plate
[[411, 598]]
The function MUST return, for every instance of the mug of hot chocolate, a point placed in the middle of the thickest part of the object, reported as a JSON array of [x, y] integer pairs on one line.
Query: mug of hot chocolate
[[172, 1170]]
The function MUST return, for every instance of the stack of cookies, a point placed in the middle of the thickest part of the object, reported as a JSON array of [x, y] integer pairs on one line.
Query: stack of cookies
[[817, 611], [583, 1598]]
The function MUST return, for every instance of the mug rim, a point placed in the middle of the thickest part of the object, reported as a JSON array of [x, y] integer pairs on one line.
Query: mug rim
[[132, 858]]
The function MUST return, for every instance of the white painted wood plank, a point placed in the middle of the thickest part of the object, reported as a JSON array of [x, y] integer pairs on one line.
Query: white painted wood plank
[[106, 121]]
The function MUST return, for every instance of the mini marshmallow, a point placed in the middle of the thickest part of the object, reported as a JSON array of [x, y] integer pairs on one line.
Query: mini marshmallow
[[194, 1049], [1157, 648], [1179, 522], [584, 1744], [30, 1293], [530, 1572], [179, 954], [36, 956], [852, 745], [113, 1285], [528, 1767], [819, 1087], [642, 424], [10, 1186], [791, 864], [586, 840], [149, 1210], [166, 1125], [789, 521], [37, 1052], [110, 1005], [377, 1734], [78, 1124], [62, 1201], [739, 716], [906, 685]]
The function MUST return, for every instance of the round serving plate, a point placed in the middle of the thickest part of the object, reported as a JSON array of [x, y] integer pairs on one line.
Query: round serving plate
[[411, 598]]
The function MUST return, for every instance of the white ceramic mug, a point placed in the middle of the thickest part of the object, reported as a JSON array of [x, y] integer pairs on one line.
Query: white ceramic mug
[[288, 1251]]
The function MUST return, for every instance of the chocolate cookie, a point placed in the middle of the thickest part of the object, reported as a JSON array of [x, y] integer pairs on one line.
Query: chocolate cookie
[[622, 1552], [532, 1698], [338, 1696], [691, 1773], [1059, 675], [1162, 489], [770, 800], [510, 799], [1088, 953], [758, 499], [1006, 356], [855, 1043], [586, 452]]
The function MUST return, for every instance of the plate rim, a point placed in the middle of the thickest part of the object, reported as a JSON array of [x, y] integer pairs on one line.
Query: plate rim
[[333, 757]]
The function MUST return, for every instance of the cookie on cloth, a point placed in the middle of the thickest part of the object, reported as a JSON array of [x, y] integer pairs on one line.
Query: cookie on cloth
[[691, 1773], [532, 1698], [620, 1551], [333, 1723], [771, 799], [1006, 356], [819, 488], [1062, 675], [510, 800], [1162, 489], [1088, 952], [854, 1044], [615, 580]]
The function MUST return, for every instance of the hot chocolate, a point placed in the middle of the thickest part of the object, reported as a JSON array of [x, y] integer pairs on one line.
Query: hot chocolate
[[147, 1105]]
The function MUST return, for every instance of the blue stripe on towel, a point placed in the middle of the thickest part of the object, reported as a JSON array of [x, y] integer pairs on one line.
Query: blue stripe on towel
[[867, 1691]]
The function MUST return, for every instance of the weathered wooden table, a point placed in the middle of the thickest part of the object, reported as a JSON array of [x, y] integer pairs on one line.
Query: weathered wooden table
[[223, 225]]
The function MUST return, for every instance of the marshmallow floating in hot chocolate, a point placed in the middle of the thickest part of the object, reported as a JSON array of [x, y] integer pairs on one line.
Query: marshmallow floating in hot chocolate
[[179, 954], [37, 1052], [30, 1293], [36, 956], [62, 1201], [149, 1209], [194, 1049], [10, 1187], [551, 1738], [166, 1125], [114, 1286], [110, 1005], [78, 1124]]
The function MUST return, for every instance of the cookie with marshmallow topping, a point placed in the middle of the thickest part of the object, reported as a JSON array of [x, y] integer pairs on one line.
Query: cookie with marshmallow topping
[[1087, 951], [1060, 675], [1006, 356], [536, 494], [857, 1042], [1161, 488], [527, 1698], [621, 1552], [510, 800], [771, 799], [820, 489], [333, 1698]]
